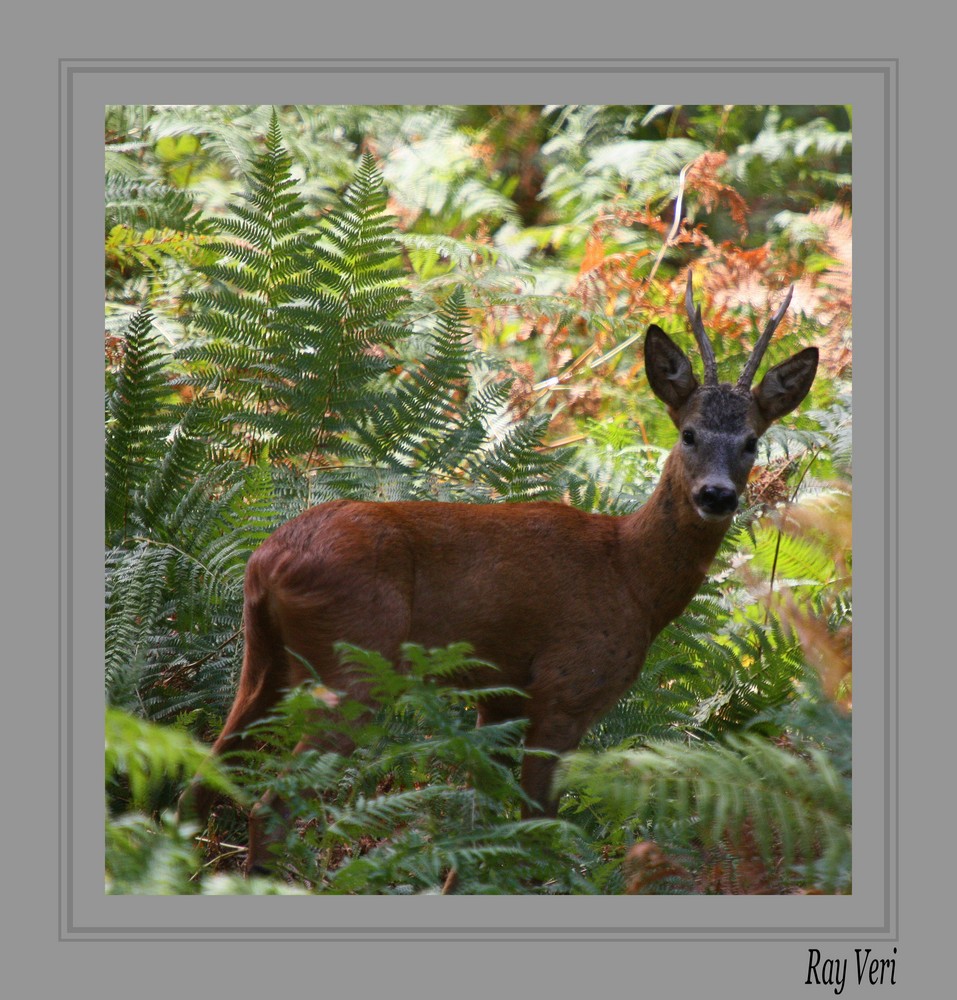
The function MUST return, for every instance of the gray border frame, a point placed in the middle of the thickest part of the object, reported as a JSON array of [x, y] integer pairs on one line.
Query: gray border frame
[[745, 923]]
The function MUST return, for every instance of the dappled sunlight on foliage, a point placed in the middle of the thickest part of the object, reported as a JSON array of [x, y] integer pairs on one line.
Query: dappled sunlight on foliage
[[443, 303]]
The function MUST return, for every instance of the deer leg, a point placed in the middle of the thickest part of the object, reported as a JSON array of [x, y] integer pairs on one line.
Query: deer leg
[[271, 817], [558, 732], [496, 711], [253, 701], [265, 674], [562, 703]]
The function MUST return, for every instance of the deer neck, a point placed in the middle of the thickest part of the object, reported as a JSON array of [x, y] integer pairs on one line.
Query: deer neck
[[668, 549]]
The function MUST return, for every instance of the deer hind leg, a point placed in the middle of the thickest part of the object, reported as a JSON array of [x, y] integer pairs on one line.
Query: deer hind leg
[[493, 712], [264, 676], [271, 817], [380, 623]]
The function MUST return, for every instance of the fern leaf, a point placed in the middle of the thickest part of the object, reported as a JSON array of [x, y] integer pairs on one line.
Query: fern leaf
[[138, 418]]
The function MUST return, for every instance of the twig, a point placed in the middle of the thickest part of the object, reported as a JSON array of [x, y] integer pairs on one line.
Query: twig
[[669, 241], [780, 532], [236, 848], [182, 668]]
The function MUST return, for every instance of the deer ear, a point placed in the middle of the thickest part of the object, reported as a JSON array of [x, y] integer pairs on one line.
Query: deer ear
[[786, 384], [668, 369]]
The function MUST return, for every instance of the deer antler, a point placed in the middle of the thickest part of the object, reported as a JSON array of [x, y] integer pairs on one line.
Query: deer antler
[[747, 376], [704, 345]]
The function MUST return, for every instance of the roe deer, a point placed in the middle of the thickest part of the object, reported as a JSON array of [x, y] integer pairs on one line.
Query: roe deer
[[565, 603]]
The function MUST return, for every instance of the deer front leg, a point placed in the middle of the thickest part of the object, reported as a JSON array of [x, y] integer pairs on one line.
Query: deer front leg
[[558, 732], [572, 687]]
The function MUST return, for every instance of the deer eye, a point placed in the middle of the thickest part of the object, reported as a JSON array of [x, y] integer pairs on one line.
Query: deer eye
[[751, 445], [688, 437]]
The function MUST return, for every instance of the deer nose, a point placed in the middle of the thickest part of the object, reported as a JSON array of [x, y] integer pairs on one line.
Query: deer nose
[[717, 500]]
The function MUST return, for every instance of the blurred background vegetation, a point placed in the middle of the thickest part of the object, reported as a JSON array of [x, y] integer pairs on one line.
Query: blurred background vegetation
[[435, 303]]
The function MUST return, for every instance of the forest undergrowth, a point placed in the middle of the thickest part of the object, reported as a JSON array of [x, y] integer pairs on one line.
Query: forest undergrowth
[[448, 303]]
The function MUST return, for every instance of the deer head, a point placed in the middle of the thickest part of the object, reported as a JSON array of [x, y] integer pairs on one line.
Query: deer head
[[719, 424]]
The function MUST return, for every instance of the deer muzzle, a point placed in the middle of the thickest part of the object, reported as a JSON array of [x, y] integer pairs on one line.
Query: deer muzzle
[[715, 502]]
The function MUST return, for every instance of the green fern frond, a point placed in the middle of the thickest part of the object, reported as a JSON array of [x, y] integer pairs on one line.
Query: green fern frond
[[139, 416], [147, 756], [797, 560], [141, 204], [414, 425], [169, 585], [706, 676], [291, 311], [797, 808], [183, 527], [518, 467]]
